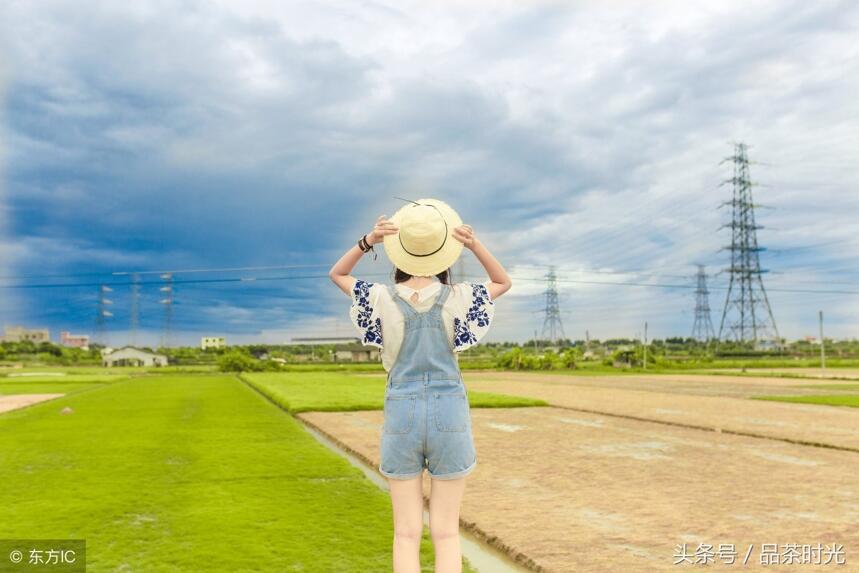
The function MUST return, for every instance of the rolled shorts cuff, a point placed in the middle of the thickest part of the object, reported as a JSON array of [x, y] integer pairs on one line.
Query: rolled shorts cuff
[[455, 475], [399, 476]]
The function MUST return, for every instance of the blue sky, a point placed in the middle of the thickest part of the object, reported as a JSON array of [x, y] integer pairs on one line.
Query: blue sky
[[183, 135]]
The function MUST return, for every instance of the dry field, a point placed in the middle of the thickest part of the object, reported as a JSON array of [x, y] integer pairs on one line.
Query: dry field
[[563, 489], [834, 373], [15, 401]]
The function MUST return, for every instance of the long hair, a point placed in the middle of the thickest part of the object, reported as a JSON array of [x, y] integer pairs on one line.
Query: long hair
[[400, 276]]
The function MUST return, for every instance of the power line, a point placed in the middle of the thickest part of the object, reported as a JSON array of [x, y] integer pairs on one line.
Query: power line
[[639, 271], [325, 276], [173, 271]]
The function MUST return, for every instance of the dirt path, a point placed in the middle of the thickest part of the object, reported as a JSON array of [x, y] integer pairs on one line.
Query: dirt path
[[15, 401]]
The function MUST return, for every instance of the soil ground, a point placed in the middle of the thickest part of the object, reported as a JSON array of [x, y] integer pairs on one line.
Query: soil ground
[[15, 401], [563, 489]]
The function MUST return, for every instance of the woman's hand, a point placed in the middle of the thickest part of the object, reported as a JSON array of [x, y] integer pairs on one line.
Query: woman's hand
[[380, 229], [465, 235]]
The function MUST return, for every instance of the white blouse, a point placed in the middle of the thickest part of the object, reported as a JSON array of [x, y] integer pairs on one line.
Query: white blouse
[[466, 314]]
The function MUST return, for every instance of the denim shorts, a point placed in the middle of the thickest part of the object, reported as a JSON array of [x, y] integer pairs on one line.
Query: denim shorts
[[427, 425]]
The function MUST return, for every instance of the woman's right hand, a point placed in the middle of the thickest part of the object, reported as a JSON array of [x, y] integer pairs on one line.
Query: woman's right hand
[[465, 235], [380, 229]]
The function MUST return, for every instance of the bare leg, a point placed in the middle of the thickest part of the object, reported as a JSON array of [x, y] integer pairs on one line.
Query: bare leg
[[408, 504], [445, 500]]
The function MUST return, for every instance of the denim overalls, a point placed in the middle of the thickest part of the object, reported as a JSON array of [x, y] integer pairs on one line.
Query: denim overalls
[[427, 419]]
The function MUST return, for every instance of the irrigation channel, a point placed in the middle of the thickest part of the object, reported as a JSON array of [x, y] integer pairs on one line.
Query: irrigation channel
[[483, 558]]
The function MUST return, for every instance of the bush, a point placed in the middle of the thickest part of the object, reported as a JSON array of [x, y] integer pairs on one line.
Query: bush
[[238, 361], [570, 357], [517, 359], [549, 361]]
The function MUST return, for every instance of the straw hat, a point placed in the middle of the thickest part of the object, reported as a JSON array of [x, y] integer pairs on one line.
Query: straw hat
[[424, 244]]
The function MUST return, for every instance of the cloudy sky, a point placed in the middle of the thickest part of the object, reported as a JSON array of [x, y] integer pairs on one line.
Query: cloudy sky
[[261, 139]]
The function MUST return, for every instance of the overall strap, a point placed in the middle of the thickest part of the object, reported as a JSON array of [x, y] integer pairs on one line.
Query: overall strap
[[407, 309], [442, 296]]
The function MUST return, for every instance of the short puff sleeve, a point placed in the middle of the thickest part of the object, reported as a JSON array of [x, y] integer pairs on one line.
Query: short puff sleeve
[[473, 310], [364, 312]]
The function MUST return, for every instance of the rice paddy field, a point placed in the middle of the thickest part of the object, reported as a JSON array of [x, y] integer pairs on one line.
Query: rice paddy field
[[203, 471]]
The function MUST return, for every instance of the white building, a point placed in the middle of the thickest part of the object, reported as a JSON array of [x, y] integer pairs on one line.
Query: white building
[[356, 353], [21, 334], [131, 356], [213, 342]]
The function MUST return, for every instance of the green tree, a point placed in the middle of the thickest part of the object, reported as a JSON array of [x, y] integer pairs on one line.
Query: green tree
[[238, 361]]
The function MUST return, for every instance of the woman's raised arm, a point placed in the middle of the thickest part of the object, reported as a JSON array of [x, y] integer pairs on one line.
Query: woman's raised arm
[[339, 273], [501, 282]]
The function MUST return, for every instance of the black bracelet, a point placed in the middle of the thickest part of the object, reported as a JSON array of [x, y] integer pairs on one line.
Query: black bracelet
[[366, 247]]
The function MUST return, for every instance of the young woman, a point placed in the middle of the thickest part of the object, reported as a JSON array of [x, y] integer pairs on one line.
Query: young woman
[[419, 324]]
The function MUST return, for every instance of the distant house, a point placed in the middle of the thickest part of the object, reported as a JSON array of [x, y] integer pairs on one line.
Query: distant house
[[74, 340], [21, 334], [212, 342], [131, 356], [356, 353], [319, 340], [624, 356]]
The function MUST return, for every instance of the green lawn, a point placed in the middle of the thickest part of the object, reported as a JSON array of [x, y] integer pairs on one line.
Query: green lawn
[[189, 473], [66, 384], [338, 391], [45, 387], [847, 387], [850, 400]]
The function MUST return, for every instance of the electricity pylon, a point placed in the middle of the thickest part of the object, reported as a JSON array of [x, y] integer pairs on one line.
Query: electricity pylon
[[553, 329], [135, 306], [167, 301], [753, 320], [702, 329], [103, 313]]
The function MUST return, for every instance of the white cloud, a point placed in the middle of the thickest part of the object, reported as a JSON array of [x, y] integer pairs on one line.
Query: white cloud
[[586, 135]]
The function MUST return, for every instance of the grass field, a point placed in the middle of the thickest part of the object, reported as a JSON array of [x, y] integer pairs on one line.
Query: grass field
[[191, 473], [197, 472], [334, 392], [66, 383], [842, 386], [849, 400]]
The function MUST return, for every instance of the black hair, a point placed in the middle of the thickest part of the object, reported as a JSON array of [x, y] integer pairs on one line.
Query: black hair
[[400, 276]]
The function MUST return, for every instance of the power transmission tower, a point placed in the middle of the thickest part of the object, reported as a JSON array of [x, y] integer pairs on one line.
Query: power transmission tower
[[702, 329], [103, 313], [167, 301], [753, 320], [553, 330], [135, 306]]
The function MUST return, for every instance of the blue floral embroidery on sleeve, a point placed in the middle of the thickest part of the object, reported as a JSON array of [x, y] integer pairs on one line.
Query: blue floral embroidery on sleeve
[[477, 315], [372, 329], [462, 335]]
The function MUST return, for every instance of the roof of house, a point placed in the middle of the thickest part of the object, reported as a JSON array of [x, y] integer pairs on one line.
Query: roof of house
[[353, 348], [128, 349]]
